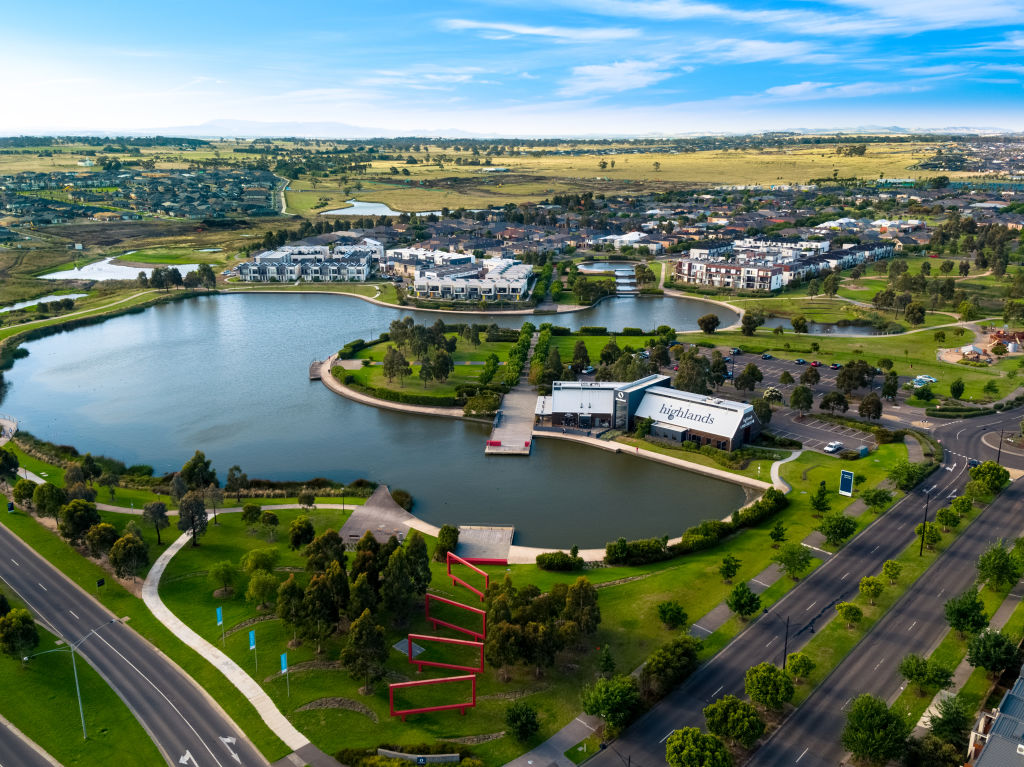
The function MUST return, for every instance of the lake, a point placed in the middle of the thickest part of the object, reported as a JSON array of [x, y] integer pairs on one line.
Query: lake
[[228, 375], [105, 270], [43, 300]]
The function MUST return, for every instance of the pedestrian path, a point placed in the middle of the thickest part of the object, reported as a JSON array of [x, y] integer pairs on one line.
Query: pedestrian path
[[513, 425], [552, 751], [710, 622]]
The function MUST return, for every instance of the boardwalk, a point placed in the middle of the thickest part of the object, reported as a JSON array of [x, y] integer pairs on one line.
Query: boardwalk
[[513, 426]]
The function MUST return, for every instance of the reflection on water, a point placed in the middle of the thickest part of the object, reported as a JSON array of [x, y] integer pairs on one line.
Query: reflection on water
[[105, 270]]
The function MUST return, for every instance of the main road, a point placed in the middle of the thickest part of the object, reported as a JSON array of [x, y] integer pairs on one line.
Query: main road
[[183, 721], [812, 602]]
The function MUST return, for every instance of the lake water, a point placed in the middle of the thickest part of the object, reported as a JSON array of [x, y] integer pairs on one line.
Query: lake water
[[823, 328], [105, 270], [43, 300], [228, 375], [623, 268], [360, 208]]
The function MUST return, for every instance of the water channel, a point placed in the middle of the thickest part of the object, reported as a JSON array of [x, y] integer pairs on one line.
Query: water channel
[[228, 374]]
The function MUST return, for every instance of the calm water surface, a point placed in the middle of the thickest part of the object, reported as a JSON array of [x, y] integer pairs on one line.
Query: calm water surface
[[228, 375]]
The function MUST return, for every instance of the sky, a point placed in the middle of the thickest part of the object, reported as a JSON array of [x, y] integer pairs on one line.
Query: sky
[[513, 67]]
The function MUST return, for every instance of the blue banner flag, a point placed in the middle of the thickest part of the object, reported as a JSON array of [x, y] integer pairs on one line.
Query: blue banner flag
[[284, 663], [252, 639], [220, 616]]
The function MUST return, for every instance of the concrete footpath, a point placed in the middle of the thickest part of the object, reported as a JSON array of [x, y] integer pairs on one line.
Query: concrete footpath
[[264, 706], [552, 751]]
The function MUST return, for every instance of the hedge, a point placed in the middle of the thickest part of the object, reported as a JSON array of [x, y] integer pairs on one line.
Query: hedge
[[935, 412], [559, 561]]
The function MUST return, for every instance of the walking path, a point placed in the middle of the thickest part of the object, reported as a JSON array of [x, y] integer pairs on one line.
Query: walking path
[[552, 751], [338, 387], [248, 686], [513, 426]]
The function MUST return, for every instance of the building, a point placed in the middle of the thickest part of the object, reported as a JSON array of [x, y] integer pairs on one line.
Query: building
[[997, 739], [745, 276], [312, 263], [675, 415], [492, 279]]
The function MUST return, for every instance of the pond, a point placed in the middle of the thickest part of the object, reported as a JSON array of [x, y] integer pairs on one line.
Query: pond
[[619, 268], [228, 375], [360, 208], [43, 300], [105, 270], [824, 328]]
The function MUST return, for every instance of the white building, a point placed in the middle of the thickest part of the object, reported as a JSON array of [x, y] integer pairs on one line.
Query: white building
[[312, 263], [492, 279]]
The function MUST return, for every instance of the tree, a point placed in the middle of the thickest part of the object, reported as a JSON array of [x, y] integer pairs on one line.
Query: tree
[[522, 720], [749, 378], [729, 567], [290, 596], [155, 513], [236, 482], [262, 588], [109, 481], [966, 613], [991, 475], [915, 313], [214, 497], [75, 518], [786, 378], [777, 534], [503, 647], [870, 407], [260, 559], [366, 652], [615, 699], [128, 555], [689, 747], [100, 537], [363, 596], [810, 377], [925, 673], [580, 357], [999, 566], [876, 499], [447, 540], [223, 574], [8, 460], [820, 501], [319, 611], [90, 469], [323, 549], [734, 720], [197, 474], [18, 633], [394, 364], [743, 601], [947, 518], [694, 373], [750, 322], [768, 685], [850, 613], [269, 521], [952, 721], [22, 491], [956, 389], [192, 516], [802, 399], [672, 614], [48, 499], [890, 385], [300, 532], [581, 606], [419, 561], [799, 324], [794, 559], [837, 527], [708, 323], [398, 591], [834, 401], [905, 475], [830, 285], [871, 588], [874, 734], [251, 513], [962, 505], [930, 533], [993, 651], [799, 665], [891, 569]]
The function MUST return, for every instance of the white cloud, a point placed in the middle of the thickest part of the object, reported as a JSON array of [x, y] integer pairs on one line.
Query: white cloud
[[729, 50], [806, 91], [502, 31], [614, 78]]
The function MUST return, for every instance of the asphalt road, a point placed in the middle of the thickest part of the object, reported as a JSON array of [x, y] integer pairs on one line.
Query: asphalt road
[[808, 604], [187, 727], [14, 752]]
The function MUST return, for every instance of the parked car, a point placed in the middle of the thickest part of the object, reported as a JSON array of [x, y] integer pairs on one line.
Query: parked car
[[929, 379], [973, 462], [833, 447], [728, 375], [815, 364], [799, 361], [728, 359], [589, 369], [736, 350], [767, 356], [835, 366]]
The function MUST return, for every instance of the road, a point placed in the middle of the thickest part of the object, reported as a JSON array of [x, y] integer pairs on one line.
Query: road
[[187, 727], [15, 752], [808, 604]]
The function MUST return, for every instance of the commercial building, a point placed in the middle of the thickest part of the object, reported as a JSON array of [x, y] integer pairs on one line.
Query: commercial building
[[675, 415]]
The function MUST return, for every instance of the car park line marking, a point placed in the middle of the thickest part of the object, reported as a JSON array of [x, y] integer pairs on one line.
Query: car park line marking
[[15, 562], [73, 613], [879, 664], [585, 724], [802, 754], [41, 586], [773, 641], [812, 604], [717, 691], [666, 737], [912, 626], [844, 577]]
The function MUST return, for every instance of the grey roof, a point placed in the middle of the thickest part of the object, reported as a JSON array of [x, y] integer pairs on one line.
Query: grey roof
[[1005, 744]]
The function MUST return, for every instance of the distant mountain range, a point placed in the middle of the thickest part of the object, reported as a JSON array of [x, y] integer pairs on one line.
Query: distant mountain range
[[337, 130]]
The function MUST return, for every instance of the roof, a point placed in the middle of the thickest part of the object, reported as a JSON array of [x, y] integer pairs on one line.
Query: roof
[[1005, 744], [708, 414], [583, 397]]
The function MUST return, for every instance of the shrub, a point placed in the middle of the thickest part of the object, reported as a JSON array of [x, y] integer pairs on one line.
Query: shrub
[[559, 561], [522, 720], [672, 614], [402, 498]]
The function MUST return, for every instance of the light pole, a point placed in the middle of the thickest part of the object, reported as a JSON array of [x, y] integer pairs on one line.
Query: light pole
[[924, 524], [999, 452], [70, 646]]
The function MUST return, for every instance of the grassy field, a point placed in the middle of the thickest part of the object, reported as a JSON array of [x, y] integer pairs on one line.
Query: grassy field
[[173, 256], [831, 310]]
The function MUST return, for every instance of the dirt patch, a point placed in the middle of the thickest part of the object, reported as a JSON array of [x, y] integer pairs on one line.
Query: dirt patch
[[475, 740], [511, 694], [343, 703], [250, 622], [225, 592]]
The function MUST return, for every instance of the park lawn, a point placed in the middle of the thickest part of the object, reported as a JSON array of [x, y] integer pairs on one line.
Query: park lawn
[[834, 641], [464, 350], [583, 750], [911, 353], [374, 376], [830, 310], [368, 289], [84, 573], [39, 699], [172, 256], [757, 469]]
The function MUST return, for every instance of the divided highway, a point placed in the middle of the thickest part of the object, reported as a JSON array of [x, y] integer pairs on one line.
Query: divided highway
[[187, 727]]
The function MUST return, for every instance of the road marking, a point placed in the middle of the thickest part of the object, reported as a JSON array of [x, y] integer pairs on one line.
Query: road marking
[[41, 586], [802, 754], [812, 604], [717, 691], [815, 548], [666, 737], [844, 577], [15, 562], [766, 585], [901, 525], [773, 641], [879, 664], [73, 613], [875, 549], [912, 626], [941, 592], [577, 719], [843, 708]]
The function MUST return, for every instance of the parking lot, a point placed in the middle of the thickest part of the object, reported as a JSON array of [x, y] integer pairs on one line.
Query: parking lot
[[815, 434]]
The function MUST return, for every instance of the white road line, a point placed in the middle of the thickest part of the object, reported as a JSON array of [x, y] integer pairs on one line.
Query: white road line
[[73, 613], [875, 549], [846, 704], [41, 586], [766, 585], [15, 562], [879, 664], [773, 641], [802, 754], [666, 737], [845, 577], [812, 604], [941, 592], [912, 626], [717, 691], [585, 724]]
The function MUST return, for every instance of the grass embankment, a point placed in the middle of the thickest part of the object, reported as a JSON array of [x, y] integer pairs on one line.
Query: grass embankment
[[832, 310], [41, 702], [386, 290], [174, 256], [756, 469]]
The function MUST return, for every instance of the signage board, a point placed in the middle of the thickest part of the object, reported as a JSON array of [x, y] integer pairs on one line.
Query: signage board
[[846, 483]]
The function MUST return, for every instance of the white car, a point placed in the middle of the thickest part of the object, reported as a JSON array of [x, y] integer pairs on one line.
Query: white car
[[833, 447], [927, 379]]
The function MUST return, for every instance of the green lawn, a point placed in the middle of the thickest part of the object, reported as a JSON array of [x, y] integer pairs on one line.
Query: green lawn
[[759, 469], [173, 256]]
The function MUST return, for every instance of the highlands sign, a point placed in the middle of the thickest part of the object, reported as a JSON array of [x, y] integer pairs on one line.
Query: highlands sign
[[685, 414]]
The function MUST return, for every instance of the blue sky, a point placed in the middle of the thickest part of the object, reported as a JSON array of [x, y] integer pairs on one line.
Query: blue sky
[[516, 67]]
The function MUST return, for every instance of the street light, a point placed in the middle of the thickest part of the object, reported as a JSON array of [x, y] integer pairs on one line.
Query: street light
[[70, 646], [785, 641], [924, 527]]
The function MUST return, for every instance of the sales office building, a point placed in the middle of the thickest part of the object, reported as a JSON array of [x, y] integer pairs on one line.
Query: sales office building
[[678, 416]]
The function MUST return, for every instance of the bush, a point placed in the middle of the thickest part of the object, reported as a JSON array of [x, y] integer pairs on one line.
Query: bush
[[588, 330], [522, 720], [402, 498], [640, 552], [672, 614], [559, 561]]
